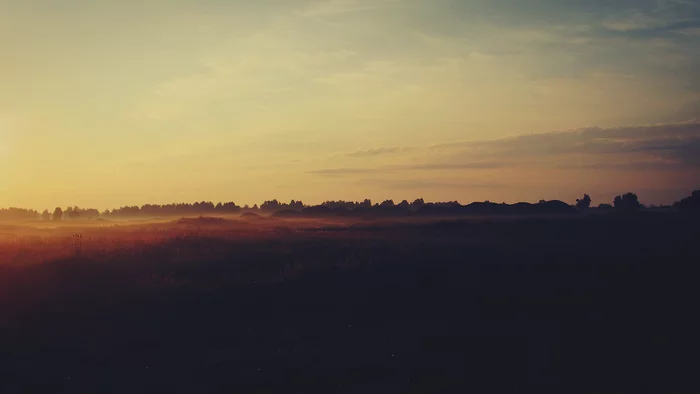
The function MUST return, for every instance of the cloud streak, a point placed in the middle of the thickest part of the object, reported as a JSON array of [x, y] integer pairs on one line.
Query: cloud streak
[[422, 184], [336, 7], [372, 152], [672, 141], [408, 167], [670, 146]]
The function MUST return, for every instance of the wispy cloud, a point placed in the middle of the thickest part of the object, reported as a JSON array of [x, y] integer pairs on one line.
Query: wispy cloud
[[347, 171], [410, 167], [487, 165], [634, 165], [339, 7], [253, 77], [336, 7], [427, 184], [673, 140], [670, 146], [372, 152]]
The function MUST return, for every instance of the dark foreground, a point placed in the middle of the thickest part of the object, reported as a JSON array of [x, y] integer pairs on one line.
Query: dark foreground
[[597, 304]]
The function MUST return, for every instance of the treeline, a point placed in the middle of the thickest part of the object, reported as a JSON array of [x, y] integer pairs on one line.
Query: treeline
[[412, 206], [200, 208], [628, 202], [18, 214], [689, 204]]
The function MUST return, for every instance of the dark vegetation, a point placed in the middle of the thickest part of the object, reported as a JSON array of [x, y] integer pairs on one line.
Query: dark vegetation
[[507, 303], [627, 202], [583, 203], [689, 204]]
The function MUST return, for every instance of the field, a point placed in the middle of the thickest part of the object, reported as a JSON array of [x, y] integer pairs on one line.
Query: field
[[592, 303]]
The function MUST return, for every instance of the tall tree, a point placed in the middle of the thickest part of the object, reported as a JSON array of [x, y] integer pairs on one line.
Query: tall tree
[[58, 214]]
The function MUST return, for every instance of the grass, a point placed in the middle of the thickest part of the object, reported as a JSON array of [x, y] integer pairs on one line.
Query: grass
[[600, 303]]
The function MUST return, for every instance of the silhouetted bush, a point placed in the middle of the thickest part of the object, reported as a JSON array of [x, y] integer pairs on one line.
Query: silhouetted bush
[[274, 206], [628, 202], [387, 203], [417, 204], [583, 203], [689, 204]]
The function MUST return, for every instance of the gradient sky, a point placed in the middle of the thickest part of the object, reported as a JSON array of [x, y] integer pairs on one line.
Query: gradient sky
[[109, 103]]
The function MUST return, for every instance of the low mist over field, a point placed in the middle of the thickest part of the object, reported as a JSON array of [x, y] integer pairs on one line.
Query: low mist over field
[[397, 303]]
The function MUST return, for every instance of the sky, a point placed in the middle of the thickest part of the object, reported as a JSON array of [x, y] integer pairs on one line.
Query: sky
[[112, 103]]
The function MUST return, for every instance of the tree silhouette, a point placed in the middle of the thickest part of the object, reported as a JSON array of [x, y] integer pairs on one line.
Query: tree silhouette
[[417, 204], [583, 203], [73, 212], [628, 202], [58, 214], [387, 204], [297, 205], [270, 206], [231, 207], [689, 204], [18, 214]]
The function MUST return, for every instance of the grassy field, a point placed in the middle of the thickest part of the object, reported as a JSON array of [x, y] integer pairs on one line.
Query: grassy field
[[600, 303]]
